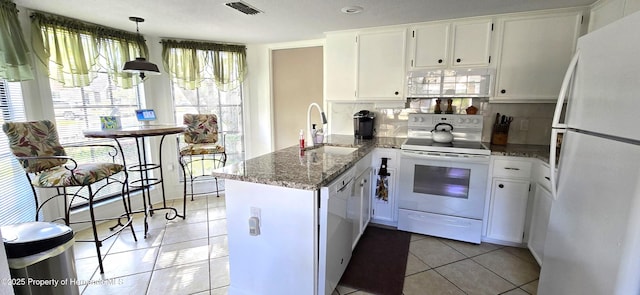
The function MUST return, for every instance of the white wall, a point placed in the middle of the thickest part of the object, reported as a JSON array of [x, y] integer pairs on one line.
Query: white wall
[[258, 94]]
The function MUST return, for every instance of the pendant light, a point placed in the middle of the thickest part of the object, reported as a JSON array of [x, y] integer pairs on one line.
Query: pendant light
[[140, 65]]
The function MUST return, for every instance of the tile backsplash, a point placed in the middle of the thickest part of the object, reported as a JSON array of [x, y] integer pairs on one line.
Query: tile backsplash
[[531, 121]]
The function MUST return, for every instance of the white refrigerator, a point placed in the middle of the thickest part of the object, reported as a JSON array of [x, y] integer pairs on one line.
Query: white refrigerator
[[593, 239]]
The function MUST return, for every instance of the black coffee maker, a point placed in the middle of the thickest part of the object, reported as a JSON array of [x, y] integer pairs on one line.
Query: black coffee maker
[[363, 124]]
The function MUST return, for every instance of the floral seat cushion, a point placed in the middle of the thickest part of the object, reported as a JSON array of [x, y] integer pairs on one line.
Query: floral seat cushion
[[201, 149], [84, 174], [35, 139], [201, 128]]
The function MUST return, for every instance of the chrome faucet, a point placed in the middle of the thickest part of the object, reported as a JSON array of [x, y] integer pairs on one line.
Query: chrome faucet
[[324, 121]]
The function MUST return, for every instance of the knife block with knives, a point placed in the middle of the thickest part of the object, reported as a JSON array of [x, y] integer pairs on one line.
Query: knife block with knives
[[500, 132]]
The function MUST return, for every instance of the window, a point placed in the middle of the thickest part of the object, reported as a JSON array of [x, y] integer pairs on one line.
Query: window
[[227, 105], [79, 108], [207, 79], [17, 202], [85, 64]]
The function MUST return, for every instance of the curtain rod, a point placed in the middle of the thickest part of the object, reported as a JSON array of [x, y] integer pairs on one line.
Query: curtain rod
[[202, 41]]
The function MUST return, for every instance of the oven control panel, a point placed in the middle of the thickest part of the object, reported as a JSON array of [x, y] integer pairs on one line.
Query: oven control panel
[[421, 121]]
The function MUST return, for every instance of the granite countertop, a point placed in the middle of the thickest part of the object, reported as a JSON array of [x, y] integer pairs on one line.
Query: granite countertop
[[309, 169], [312, 168], [521, 150]]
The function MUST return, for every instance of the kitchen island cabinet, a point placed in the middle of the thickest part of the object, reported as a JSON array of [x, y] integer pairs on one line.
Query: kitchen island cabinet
[[280, 218]]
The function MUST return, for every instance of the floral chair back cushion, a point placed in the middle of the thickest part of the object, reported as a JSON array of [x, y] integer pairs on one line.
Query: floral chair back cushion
[[201, 128], [35, 139]]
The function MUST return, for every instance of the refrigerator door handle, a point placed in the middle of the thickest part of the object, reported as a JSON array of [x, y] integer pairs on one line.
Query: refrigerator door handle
[[563, 92], [552, 161]]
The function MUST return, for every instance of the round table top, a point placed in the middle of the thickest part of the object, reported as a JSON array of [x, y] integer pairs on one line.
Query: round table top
[[135, 131]]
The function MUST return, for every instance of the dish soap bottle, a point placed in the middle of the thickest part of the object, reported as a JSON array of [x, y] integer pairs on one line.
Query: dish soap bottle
[[301, 139]]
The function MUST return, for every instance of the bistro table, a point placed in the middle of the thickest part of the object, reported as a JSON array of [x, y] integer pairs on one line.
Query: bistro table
[[140, 133]]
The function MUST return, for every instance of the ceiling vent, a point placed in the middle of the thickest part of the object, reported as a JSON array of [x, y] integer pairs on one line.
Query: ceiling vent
[[243, 7]]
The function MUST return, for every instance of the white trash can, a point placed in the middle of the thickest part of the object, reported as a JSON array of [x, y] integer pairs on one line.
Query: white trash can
[[40, 257]]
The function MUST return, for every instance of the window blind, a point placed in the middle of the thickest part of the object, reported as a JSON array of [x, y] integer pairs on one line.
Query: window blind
[[17, 201]]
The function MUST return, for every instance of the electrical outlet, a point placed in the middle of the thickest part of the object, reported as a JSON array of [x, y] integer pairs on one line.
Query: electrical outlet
[[524, 125], [254, 226]]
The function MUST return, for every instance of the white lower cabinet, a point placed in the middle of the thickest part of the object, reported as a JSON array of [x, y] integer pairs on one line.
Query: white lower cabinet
[[541, 208], [508, 209], [362, 205], [384, 209]]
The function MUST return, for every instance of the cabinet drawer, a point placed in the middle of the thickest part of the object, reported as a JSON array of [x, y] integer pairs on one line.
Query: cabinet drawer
[[511, 168], [542, 176]]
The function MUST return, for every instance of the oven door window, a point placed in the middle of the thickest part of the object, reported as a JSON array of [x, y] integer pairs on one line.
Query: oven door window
[[441, 181]]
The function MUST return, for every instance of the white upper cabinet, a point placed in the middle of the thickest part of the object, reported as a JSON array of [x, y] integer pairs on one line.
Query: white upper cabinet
[[340, 57], [533, 55], [471, 43], [368, 65], [430, 46], [631, 6], [455, 44], [381, 71], [605, 12]]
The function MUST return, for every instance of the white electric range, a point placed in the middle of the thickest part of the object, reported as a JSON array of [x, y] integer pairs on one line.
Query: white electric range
[[442, 185]]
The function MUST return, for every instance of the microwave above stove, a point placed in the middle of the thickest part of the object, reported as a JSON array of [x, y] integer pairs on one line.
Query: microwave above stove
[[450, 83]]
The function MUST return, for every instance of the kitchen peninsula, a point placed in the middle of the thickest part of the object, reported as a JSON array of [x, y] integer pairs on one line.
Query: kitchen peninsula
[[276, 229]]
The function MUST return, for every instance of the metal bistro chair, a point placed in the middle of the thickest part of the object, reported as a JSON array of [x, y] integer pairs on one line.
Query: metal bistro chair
[[47, 165], [201, 152]]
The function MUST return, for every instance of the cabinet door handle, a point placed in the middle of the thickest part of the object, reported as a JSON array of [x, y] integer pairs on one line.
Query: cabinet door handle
[[396, 93], [511, 168], [503, 91], [547, 178], [501, 185], [459, 60], [440, 61]]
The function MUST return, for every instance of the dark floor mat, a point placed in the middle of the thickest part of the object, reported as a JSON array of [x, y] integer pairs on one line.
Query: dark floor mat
[[379, 261]]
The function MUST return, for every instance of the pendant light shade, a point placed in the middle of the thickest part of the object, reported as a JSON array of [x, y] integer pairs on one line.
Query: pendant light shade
[[140, 65]]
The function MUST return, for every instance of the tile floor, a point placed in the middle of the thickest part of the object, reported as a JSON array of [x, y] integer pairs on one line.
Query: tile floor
[[191, 257]]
